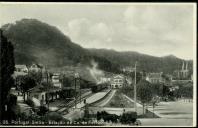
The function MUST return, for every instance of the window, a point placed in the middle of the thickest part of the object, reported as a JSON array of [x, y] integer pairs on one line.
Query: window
[[115, 80]]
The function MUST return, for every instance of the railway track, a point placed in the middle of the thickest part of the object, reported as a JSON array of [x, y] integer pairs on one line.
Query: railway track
[[71, 103]]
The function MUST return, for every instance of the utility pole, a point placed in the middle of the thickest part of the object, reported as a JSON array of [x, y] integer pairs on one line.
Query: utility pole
[[75, 91], [48, 89], [135, 91], [80, 89]]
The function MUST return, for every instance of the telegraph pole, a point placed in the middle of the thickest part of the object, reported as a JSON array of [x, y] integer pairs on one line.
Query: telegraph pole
[[135, 91], [75, 91], [48, 89], [80, 89]]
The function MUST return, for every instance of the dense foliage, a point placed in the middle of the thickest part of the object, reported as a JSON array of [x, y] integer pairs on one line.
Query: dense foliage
[[147, 63], [144, 93], [6, 80]]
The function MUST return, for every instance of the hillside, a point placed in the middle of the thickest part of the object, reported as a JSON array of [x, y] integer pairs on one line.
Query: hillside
[[38, 42], [148, 63]]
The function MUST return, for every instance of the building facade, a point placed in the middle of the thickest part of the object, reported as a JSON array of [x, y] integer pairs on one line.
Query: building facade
[[56, 80], [21, 68], [118, 81], [35, 68], [155, 78]]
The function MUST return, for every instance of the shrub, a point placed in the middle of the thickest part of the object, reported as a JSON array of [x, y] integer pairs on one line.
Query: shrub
[[54, 116], [42, 110], [107, 117], [129, 117]]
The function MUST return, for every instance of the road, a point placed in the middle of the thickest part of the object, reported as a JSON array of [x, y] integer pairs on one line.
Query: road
[[177, 113], [172, 113]]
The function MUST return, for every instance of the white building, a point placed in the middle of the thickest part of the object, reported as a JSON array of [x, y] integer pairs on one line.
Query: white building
[[118, 81], [21, 68], [155, 77], [56, 80], [35, 68], [128, 69]]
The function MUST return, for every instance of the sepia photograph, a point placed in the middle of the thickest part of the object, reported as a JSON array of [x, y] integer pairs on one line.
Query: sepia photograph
[[98, 64]]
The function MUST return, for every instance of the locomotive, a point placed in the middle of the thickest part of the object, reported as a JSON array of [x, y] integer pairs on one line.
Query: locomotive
[[99, 87]]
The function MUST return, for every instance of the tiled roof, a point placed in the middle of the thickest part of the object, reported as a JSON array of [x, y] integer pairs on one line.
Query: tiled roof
[[118, 76]]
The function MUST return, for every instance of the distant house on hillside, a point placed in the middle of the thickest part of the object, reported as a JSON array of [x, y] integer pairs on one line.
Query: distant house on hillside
[[56, 80], [35, 68], [128, 69], [21, 68], [155, 78], [118, 81]]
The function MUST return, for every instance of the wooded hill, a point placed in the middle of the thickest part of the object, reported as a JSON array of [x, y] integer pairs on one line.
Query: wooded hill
[[38, 42]]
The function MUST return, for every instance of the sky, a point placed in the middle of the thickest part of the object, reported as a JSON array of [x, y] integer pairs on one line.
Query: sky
[[153, 29]]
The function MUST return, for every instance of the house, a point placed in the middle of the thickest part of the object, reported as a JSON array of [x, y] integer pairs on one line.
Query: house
[[20, 71], [118, 81], [56, 80], [155, 78], [41, 95], [35, 68], [21, 68], [128, 69], [38, 94]]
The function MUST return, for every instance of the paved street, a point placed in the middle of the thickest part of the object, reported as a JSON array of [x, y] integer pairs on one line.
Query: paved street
[[177, 113], [172, 113]]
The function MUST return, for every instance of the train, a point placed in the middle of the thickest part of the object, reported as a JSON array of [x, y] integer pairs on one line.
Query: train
[[99, 87]]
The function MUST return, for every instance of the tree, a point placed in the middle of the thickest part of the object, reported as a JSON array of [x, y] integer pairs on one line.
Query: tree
[[144, 93], [157, 89], [27, 83], [6, 80], [37, 76]]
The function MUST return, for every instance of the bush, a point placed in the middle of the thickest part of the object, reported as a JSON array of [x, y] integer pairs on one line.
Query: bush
[[54, 116], [128, 118], [107, 117], [42, 110]]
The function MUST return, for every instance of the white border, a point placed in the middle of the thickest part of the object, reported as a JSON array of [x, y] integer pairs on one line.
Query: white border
[[134, 3]]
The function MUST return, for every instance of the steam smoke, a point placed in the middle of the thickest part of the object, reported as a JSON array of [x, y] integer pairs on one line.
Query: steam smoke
[[95, 72]]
